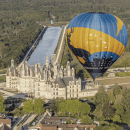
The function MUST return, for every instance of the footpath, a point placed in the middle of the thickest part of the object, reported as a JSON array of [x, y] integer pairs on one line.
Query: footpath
[[63, 35]]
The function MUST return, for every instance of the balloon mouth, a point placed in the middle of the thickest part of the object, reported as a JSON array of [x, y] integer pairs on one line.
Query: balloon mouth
[[97, 12], [94, 75]]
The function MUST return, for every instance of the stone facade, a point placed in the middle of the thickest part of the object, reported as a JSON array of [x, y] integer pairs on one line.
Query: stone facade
[[50, 81]]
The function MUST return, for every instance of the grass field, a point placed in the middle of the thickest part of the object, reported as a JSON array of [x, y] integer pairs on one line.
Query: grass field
[[114, 80]]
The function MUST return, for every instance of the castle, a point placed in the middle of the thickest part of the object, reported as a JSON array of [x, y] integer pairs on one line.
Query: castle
[[48, 82]]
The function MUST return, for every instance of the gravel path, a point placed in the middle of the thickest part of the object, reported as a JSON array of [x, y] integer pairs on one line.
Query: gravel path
[[61, 43]]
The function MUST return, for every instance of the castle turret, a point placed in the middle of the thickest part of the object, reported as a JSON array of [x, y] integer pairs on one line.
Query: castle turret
[[61, 73], [68, 69], [55, 70], [14, 72], [65, 72], [31, 73], [73, 73], [23, 70], [36, 70], [47, 62], [12, 63]]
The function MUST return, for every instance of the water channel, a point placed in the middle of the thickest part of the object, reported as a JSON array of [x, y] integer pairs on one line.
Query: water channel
[[46, 46]]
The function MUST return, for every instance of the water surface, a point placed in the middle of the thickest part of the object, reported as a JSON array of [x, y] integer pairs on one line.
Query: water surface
[[46, 46]]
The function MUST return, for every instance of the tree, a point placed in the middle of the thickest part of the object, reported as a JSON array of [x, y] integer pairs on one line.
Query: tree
[[116, 118], [55, 104], [74, 107], [108, 111], [126, 117], [110, 95], [38, 106], [2, 107], [28, 106], [119, 109], [68, 121], [117, 90], [18, 111], [124, 63], [100, 97], [86, 120]]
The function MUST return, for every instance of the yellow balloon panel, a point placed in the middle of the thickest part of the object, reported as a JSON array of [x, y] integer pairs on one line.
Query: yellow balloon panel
[[78, 37], [104, 42], [85, 39], [98, 41], [94, 41]]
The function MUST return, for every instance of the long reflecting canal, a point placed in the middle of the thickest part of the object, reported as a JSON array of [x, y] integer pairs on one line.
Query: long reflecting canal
[[46, 46]]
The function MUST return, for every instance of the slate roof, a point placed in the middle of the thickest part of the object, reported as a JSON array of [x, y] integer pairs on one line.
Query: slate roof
[[66, 80], [63, 82], [60, 82]]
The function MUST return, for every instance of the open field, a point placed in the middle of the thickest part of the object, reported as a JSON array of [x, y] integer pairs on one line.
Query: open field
[[114, 80]]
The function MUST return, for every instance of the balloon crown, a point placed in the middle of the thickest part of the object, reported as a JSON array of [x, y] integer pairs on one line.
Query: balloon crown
[[97, 12]]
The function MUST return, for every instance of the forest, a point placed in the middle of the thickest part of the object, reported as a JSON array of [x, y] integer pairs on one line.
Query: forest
[[22, 21]]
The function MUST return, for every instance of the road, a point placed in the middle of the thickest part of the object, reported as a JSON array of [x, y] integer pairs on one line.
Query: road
[[118, 84], [19, 95], [7, 93], [61, 43], [14, 127], [25, 124]]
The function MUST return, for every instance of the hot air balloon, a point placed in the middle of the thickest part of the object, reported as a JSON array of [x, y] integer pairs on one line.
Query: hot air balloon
[[97, 40]]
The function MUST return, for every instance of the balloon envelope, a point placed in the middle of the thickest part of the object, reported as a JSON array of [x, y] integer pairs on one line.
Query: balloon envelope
[[97, 40]]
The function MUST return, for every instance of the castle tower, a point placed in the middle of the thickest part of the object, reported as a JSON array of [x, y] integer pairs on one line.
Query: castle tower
[[14, 72], [61, 73], [68, 69], [73, 73], [36, 70], [46, 75], [55, 70], [10, 74], [65, 72], [12, 63], [31, 73], [52, 59], [47, 62], [27, 70], [23, 70]]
